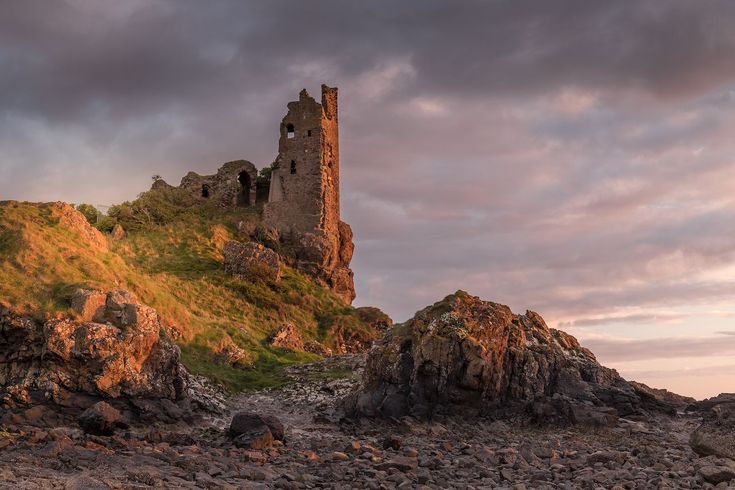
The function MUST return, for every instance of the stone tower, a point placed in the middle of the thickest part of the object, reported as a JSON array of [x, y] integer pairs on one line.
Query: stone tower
[[303, 202]]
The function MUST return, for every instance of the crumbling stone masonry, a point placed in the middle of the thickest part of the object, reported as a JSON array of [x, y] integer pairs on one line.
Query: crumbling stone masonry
[[232, 186], [303, 202]]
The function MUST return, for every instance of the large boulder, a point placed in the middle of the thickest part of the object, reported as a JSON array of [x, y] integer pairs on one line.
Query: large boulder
[[253, 431], [465, 353], [251, 261], [114, 351], [101, 419], [716, 435]]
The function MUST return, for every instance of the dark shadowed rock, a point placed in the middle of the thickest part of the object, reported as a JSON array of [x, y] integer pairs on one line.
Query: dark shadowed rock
[[276, 427], [251, 261], [252, 431], [100, 419], [465, 352], [664, 397], [716, 435]]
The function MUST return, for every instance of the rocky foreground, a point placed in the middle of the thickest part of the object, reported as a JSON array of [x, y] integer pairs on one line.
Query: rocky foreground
[[320, 450], [464, 395]]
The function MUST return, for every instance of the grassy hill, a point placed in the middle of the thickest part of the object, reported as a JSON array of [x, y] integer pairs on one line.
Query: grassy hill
[[171, 257]]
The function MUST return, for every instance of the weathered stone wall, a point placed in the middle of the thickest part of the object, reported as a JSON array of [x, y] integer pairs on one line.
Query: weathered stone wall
[[298, 195], [303, 203], [233, 184]]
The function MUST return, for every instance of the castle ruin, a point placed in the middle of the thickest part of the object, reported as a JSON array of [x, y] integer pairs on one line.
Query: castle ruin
[[302, 207], [303, 202]]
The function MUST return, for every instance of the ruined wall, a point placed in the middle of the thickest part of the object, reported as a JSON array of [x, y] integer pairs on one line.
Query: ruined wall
[[232, 186], [303, 203]]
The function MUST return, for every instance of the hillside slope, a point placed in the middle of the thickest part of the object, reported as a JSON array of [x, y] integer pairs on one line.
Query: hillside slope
[[171, 258]]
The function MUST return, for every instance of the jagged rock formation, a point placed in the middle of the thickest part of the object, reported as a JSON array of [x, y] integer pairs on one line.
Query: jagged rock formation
[[115, 350], [233, 185], [303, 202], [251, 260], [463, 351]]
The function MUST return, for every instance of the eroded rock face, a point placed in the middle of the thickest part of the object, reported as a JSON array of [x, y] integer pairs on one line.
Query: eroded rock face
[[251, 260], [477, 354], [114, 351], [327, 259]]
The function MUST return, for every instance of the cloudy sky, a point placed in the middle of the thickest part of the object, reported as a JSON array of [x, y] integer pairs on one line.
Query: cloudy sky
[[574, 157]]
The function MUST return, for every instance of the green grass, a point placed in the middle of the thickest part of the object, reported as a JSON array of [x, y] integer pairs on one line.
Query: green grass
[[171, 259]]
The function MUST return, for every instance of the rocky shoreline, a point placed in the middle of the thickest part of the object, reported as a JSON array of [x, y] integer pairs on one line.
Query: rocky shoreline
[[321, 449]]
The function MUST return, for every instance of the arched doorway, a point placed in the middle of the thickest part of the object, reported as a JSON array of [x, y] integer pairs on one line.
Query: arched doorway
[[206, 191], [243, 197]]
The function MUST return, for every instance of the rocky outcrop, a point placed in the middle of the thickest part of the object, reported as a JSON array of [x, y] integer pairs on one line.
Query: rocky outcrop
[[114, 351], [327, 259], [77, 224], [251, 261], [288, 337], [344, 340], [375, 318], [474, 354], [716, 435], [665, 397], [231, 354]]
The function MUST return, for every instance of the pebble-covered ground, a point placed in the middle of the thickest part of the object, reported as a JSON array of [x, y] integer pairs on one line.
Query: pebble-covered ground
[[323, 452]]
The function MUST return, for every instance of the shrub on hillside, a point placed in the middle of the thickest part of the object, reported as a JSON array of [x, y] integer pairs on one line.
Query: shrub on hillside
[[89, 212], [156, 207]]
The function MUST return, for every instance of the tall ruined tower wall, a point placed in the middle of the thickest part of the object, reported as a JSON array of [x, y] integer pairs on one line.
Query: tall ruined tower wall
[[303, 202], [330, 160]]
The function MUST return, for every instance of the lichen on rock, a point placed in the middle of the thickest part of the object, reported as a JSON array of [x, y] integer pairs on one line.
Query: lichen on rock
[[476, 354], [115, 350], [251, 261]]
